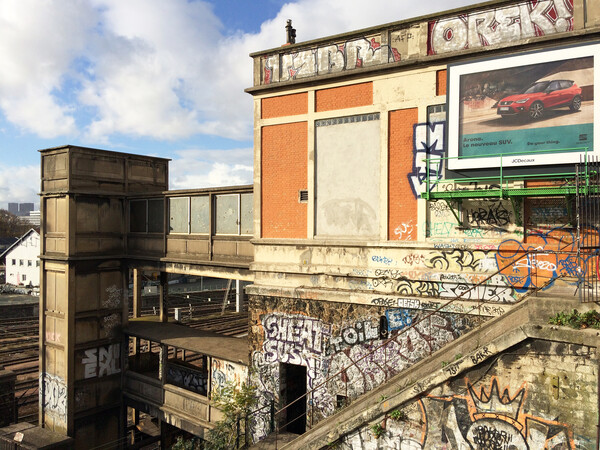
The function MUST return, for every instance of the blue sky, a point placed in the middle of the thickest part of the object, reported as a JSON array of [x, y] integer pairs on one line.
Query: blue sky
[[156, 77]]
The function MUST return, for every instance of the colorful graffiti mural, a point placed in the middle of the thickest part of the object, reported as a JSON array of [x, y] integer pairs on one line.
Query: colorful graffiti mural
[[500, 25], [546, 256], [480, 417], [353, 54]]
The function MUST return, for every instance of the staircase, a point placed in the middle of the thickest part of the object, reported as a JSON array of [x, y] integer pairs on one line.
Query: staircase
[[529, 320]]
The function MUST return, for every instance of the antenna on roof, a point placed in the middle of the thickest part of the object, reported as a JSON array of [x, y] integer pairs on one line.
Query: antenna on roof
[[290, 33]]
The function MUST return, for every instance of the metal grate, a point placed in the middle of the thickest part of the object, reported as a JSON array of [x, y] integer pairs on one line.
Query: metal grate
[[303, 196], [588, 221]]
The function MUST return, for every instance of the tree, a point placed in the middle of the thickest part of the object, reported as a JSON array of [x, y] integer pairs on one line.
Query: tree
[[11, 225], [235, 402]]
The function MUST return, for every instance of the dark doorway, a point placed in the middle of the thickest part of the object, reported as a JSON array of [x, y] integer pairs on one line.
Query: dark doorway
[[293, 386]]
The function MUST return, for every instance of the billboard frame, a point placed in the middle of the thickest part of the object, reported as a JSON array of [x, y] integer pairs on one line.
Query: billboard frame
[[456, 161]]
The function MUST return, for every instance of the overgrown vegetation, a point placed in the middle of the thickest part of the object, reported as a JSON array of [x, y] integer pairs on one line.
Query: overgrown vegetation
[[11, 225], [377, 430], [577, 320], [399, 415], [182, 444], [235, 402]]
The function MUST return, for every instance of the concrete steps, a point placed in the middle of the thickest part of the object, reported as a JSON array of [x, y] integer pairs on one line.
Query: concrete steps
[[275, 441]]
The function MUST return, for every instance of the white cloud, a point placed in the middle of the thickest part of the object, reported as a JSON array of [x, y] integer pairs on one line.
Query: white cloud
[[16, 184], [151, 68], [210, 168], [38, 43]]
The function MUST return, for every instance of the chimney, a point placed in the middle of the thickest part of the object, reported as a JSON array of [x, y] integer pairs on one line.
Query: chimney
[[290, 33]]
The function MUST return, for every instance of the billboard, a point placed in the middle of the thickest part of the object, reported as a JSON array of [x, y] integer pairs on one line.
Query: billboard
[[525, 110]]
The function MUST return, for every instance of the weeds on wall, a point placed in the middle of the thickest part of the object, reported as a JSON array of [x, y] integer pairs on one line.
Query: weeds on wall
[[577, 320], [398, 415], [377, 430]]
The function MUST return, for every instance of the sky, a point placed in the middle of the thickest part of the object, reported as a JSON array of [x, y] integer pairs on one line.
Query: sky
[[154, 77]]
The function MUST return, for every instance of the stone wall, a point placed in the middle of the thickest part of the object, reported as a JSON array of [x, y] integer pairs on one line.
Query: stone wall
[[538, 394], [326, 337]]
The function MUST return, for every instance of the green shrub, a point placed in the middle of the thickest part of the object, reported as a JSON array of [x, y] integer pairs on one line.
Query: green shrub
[[577, 320]]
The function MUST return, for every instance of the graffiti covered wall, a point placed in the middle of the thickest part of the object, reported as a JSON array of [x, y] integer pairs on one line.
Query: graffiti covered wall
[[539, 395], [326, 338], [53, 400], [500, 25], [525, 20], [224, 372]]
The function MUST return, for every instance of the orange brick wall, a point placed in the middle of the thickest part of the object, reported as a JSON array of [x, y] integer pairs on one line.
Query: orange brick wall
[[344, 97], [283, 173], [402, 204], [441, 82], [284, 105]]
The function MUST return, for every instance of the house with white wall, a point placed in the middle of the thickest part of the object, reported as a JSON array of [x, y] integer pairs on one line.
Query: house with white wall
[[22, 260]]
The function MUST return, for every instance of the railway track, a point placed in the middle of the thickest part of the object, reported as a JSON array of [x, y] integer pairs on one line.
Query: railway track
[[19, 338]]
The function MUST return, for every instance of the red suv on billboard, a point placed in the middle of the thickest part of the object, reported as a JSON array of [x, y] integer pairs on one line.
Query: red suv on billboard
[[539, 97]]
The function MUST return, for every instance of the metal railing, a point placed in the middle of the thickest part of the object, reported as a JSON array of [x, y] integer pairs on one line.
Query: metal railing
[[588, 215], [433, 179]]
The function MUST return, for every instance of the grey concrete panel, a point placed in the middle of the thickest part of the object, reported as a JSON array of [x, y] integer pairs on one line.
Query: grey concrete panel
[[347, 177]]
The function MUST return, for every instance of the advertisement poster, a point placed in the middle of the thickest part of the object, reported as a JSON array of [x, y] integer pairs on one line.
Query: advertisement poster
[[530, 109]]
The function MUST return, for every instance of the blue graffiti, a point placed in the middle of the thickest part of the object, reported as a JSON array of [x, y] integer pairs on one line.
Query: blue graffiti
[[398, 319], [428, 141]]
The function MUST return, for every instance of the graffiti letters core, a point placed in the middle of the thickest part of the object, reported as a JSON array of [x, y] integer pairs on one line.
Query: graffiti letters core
[[328, 352]]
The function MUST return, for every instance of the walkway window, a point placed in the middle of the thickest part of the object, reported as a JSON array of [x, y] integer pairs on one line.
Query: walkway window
[[146, 216], [234, 214], [200, 214], [192, 215], [188, 370], [179, 215], [189, 215]]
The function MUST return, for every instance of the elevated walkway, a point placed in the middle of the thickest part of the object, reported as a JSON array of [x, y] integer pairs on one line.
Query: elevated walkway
[[528, 320]]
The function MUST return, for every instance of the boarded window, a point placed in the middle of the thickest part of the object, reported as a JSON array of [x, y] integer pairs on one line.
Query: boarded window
[[200, 215], [227, 214], [247, 218], [178, 215], [348, 149]]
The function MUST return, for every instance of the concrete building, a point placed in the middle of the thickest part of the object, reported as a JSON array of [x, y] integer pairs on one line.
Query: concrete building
[[20, 209], [425, 197], [414, 182], [106, 214], [22, 260], [33, 218]]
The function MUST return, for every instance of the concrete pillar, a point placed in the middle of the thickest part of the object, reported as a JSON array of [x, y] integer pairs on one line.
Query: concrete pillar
[[137, 293], [163, 297], [162, 363], [238, 296]]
